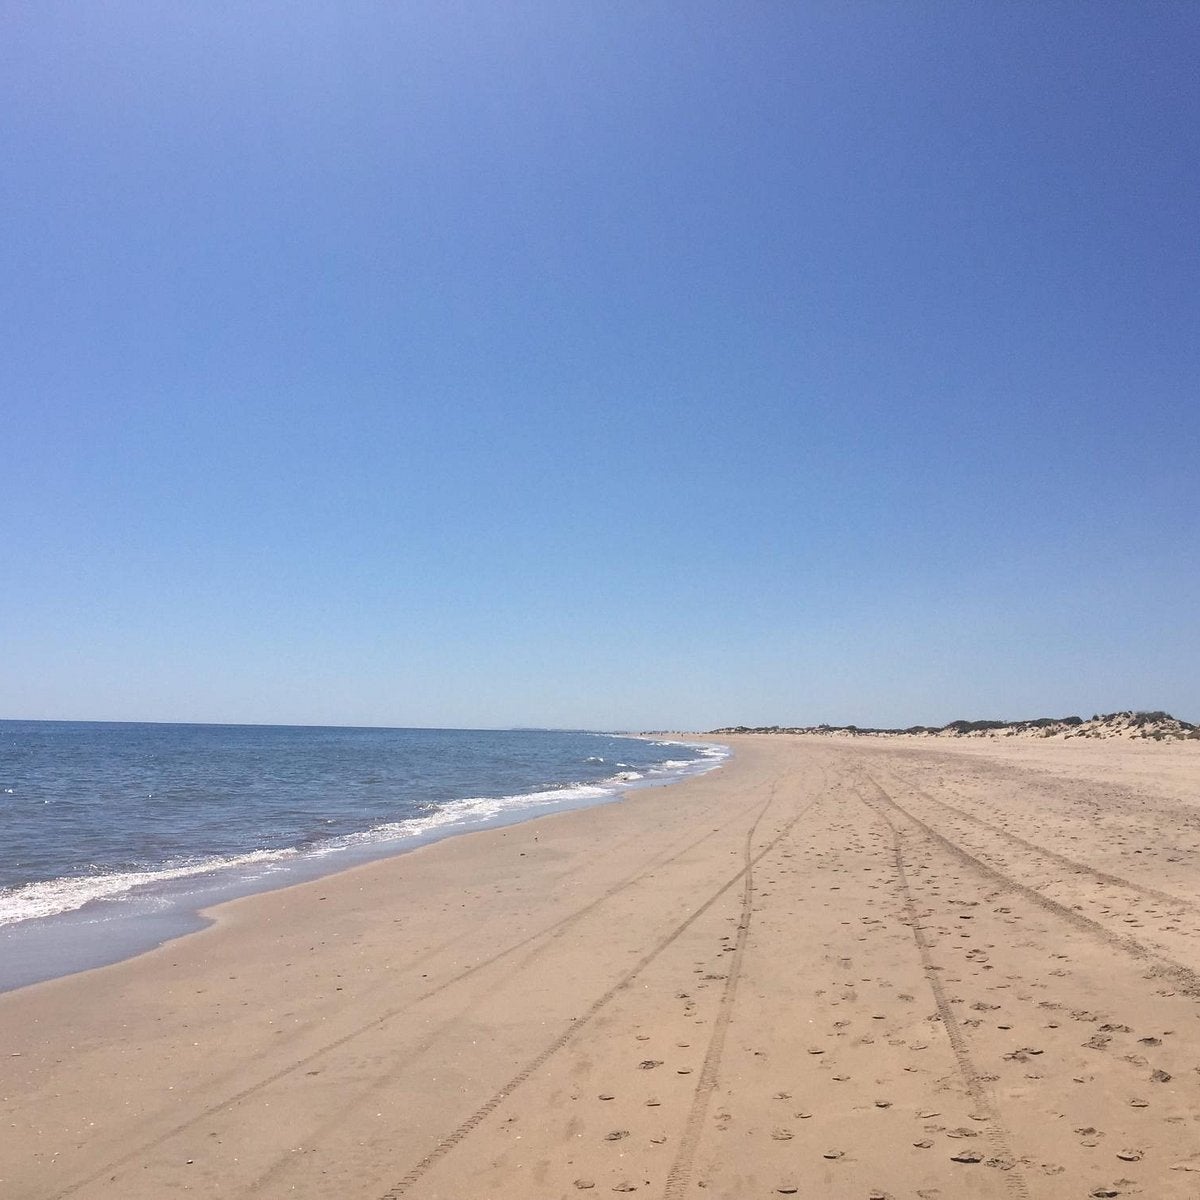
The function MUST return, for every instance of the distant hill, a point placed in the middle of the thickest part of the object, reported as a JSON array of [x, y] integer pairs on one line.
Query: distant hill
[[1153, 726]]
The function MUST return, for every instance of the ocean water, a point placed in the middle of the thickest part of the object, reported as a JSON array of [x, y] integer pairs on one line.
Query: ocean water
[[114, 835]]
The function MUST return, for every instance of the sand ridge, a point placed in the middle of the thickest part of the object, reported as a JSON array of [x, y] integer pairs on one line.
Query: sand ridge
[[846, 968]]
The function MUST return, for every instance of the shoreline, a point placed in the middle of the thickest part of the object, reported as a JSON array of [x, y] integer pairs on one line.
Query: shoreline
[[826, 967], [112, 929]]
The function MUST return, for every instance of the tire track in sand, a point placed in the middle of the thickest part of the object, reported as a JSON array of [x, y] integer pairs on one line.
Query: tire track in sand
[[1183, 977], [971, 1075], [549, 933], [446, 1144], [367, 1094], [1077, 867], [681, 1170]]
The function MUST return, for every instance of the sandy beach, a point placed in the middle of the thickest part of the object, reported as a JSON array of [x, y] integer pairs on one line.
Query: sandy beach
[[835, 967]]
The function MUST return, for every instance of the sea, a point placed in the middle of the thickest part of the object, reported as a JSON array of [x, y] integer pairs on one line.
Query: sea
[[114, 836]]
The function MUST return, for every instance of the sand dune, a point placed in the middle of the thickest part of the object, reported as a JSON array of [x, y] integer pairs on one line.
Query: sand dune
[[837, 967], [1129, 724]]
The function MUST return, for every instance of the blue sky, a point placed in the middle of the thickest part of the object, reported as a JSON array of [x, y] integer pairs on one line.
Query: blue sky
[[611, 365]]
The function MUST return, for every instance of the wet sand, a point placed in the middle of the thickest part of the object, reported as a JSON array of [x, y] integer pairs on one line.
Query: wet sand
[[836, 967]]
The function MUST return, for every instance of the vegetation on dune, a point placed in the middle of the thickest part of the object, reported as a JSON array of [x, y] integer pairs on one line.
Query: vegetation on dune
[[1157, 726]]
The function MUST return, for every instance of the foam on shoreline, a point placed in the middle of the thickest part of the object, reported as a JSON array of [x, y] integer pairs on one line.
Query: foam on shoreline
[[50, 928]]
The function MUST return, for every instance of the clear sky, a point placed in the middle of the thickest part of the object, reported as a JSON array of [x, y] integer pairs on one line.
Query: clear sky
[[616, 364]]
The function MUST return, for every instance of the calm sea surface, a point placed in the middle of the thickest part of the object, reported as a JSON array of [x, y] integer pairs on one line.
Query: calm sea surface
[[120, 831]]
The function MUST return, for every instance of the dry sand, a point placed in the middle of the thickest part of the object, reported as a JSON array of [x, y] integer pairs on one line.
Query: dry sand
[[832, 968]]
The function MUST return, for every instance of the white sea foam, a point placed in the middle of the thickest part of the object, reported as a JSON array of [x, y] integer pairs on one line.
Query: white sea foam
[[710, 756], [68, 894], [50, 897], [707, 749], [472, 810], [55, 896]]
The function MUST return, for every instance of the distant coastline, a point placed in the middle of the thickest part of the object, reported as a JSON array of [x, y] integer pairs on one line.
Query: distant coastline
[[1129, 724]]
